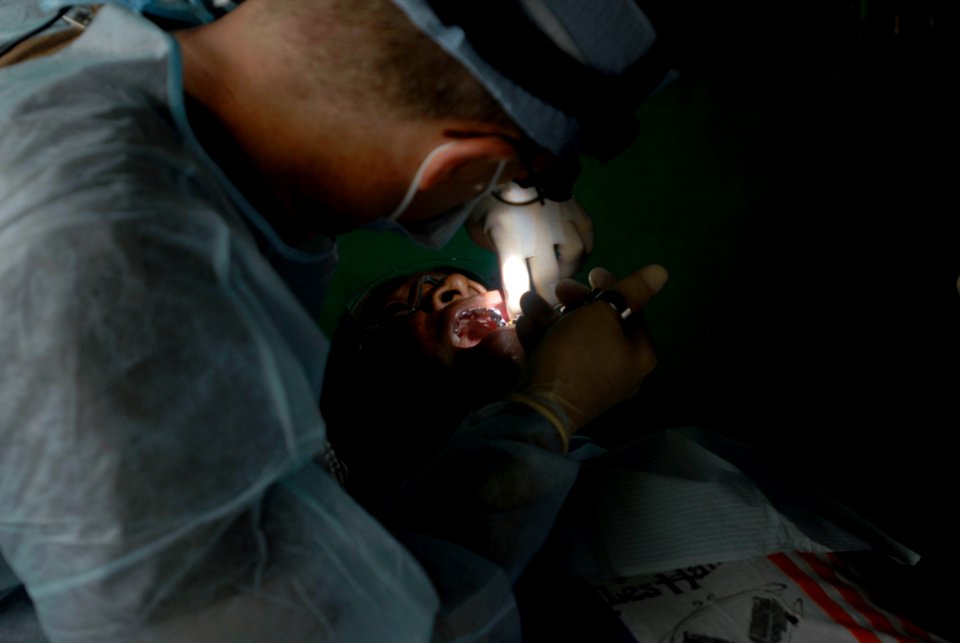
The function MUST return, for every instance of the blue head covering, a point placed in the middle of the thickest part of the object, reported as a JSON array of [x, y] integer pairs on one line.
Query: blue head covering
[[570, 73]]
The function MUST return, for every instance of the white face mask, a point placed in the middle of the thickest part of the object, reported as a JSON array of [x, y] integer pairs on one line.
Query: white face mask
[[436, 232]]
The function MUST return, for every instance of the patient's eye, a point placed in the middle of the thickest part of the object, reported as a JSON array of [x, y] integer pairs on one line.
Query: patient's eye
[[416, 292], [395, 309]]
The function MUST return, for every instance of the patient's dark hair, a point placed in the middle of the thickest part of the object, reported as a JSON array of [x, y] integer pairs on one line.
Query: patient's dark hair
[[388, 410], [389, 406]]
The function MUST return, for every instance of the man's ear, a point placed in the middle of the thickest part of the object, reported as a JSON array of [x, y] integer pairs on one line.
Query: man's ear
[[464, 158]]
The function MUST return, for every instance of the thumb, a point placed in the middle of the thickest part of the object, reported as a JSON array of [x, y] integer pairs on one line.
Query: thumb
[[641, 286]]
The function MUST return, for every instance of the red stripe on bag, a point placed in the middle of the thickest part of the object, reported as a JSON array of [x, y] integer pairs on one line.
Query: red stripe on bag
[[911, 628], [880, 622], [812, 589]]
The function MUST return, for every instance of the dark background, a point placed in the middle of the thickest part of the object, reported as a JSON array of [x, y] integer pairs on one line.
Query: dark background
[[793, 181]]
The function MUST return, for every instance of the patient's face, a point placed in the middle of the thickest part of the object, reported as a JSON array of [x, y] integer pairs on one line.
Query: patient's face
[[452, 320]]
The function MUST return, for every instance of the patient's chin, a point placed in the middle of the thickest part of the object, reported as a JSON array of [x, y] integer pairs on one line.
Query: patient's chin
[[494, 363], [503, 345]]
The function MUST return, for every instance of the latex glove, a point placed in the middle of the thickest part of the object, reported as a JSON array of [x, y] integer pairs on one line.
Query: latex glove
[[537, 244], [590, 359], [539, 315]]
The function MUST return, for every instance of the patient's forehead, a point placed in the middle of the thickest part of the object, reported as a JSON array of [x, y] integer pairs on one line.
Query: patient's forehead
[[400, 290]]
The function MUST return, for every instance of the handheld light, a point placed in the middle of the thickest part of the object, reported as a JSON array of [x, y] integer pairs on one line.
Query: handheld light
[[517, 239], [538, 241]]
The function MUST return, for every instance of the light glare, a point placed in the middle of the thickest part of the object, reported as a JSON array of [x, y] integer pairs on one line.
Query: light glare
[[516, 281]]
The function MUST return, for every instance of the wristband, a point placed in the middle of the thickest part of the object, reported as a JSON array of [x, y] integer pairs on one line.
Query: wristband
[[548, 409]]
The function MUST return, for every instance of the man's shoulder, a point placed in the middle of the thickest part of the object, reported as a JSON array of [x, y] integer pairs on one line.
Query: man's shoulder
[[95, 147], [97, 172], [18, 17], [99, 93], [92, 111]]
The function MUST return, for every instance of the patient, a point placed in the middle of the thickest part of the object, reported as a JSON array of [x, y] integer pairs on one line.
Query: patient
[[434, 345], [681, 536]]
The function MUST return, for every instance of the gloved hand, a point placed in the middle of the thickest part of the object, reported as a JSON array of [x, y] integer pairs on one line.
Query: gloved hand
[[553, 239], [592, 358]]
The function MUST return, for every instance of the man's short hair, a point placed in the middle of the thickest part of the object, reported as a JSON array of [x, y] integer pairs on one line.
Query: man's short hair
[[375, 52]]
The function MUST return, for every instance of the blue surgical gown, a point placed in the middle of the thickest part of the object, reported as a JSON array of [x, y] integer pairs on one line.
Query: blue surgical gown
[[159, 377]]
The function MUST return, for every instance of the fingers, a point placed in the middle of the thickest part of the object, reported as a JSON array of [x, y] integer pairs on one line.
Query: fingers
[[528, 333], [570, 250], [601, 278], [634, 291], [624, 296], [591, 358], [570, 292], [544, 273], [480, 238], [640, 287], [538, 316], [533, 305], [476, 225], [572, 211]]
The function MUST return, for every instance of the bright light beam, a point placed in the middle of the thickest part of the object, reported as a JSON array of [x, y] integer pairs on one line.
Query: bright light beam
[[516, 281]]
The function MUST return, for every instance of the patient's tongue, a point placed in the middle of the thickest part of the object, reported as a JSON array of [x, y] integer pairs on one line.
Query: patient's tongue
[[474, 325]]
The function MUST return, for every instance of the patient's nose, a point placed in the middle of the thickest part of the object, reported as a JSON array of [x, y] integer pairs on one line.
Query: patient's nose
[[452, 288]]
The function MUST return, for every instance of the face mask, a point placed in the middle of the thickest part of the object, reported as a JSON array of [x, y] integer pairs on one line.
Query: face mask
[[436, 232]]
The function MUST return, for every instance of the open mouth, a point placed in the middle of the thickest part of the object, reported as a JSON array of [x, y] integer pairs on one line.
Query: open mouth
[[472, 325]]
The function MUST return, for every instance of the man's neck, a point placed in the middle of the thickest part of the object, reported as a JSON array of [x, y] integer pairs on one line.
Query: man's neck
[[239, 123], [232, 159], [314, 157]]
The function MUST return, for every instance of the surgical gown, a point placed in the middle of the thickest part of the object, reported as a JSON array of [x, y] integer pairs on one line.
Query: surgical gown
[[159, 377]]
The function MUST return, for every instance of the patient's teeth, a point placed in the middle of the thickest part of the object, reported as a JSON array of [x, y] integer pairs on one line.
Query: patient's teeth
[[474, 324]]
